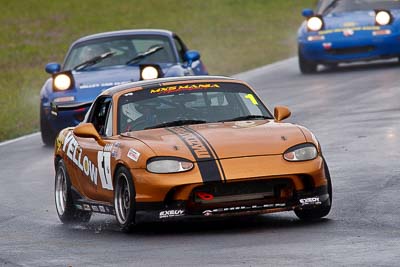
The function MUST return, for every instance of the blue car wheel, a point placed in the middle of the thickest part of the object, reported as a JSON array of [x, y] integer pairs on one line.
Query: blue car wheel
[[48, 136], [306, 67]]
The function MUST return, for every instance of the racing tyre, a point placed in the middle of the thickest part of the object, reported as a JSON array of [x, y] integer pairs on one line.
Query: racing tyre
[[321, 211], [124, 199], [306, 67], [48, 137], [66, 210]]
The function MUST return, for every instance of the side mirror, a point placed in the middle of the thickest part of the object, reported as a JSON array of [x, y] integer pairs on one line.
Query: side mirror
[[87, 130], [190, 56], [307, 12], [281, 113], [53, 68]]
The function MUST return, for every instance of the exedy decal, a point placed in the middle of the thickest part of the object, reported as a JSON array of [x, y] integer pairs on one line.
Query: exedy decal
[[178, 88], [75, 154]]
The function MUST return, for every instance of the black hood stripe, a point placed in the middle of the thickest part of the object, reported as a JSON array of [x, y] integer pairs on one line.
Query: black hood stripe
[[201, 152], [211, 147]]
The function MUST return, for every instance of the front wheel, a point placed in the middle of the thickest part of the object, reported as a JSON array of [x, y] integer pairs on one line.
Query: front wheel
[[306, 66], [66, 210], [319, 211], [48, 136], [124, 199]]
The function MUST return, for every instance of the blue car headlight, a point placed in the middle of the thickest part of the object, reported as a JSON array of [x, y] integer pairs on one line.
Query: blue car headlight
[[315, 23], [63, 81], [301, 152], [383, 17]]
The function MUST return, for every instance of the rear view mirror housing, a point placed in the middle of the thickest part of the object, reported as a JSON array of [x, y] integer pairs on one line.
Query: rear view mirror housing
[[190, 56], [281, 113], [52, 68], [87, 130], [307, 12]]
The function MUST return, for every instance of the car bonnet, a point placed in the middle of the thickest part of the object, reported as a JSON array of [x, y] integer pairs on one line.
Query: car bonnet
[[221, 140]]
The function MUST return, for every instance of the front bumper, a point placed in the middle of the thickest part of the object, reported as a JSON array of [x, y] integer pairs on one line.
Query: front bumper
[[361, 46], [58, 117], [185, 210], [268, 184]]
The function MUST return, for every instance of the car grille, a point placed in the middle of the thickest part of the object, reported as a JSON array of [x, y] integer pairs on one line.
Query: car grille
[[351, 50], [245, 191]]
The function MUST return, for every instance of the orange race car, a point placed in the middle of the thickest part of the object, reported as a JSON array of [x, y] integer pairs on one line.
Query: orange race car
[[188, 147]]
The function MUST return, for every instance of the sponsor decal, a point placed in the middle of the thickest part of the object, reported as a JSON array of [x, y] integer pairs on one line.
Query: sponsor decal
[[364, 28], [171, 213], [327, 45], [59, 144], [108, 147], [243, 208], [115, 150], [87, 206], [201, 151], [207, 212], [103, 169], [348, 32], [108, 84], [310, 201], [179, 88], [133, 154], [349, 24]]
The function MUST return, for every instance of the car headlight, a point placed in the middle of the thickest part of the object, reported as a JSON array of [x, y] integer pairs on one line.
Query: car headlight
[[383, 17], [169, 165], [149, 73], [301, 152], [62, 82], [315, 24]]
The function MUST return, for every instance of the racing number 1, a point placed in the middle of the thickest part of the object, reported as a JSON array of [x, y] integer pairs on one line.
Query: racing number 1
[[252, 99], [104, 163]]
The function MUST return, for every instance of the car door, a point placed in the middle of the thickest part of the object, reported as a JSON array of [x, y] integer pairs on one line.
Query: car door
[[98, 184]]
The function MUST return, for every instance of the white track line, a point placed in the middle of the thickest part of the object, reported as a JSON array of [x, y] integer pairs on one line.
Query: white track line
[[242, 75], [19, 139]]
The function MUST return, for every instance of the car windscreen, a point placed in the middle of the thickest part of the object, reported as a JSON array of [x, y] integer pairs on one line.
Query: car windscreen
[[192, 103], [122, 50], [338, 6]]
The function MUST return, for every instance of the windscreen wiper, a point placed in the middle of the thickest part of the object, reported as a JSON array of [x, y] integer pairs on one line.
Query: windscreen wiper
[[93, 61], [247, 117], [145, 54], [175, 123], [330, 6]]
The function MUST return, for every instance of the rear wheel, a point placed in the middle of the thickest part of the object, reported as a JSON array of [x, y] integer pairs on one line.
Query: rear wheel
[[319, 211], [124, 199], [306, 66], [66, 210]]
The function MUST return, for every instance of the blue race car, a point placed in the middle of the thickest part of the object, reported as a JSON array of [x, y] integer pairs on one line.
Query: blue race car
[[97, 62], [348, 31]]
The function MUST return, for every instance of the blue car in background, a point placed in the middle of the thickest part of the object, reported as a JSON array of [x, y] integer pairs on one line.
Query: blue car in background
[[97, 62], [347, 31]]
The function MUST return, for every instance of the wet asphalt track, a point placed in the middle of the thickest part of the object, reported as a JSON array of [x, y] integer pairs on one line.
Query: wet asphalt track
[[355, 113]]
